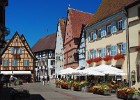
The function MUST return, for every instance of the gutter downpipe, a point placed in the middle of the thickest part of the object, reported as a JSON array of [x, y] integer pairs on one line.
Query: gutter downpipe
[[128, 49]]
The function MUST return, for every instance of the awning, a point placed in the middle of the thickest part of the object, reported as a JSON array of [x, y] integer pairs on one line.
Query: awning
[[6, 72], [21, 72]]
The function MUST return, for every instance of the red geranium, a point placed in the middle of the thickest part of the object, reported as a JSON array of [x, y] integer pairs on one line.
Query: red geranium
[[97, 59], [89, 61], [107, 58], [119, 56]]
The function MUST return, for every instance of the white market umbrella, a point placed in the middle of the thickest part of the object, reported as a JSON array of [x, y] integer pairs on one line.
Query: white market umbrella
[[92, 71], [66, 71], [108, 69]]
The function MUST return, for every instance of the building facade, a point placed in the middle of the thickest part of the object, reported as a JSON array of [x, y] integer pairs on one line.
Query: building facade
[[106, 41], [75, 19], [81, 50], [44, 51], [133, 12], [59, 52], [17, 59]]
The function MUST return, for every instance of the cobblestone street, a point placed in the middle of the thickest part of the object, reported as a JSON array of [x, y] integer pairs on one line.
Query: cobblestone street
[[50, 92]]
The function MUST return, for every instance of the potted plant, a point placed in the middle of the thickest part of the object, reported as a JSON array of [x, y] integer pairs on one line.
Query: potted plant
[[119, 56], [107, 58], [98, 59], [89, 61]]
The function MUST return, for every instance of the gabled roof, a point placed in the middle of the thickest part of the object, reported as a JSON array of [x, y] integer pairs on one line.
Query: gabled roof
[[8, 43], [77, 19], [45, 43], [26, 44], [62, 23], [108, 8]]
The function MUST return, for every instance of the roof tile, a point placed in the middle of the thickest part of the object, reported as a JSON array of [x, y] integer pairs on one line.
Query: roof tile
[[108, 8], [78, 18], [46, 42]]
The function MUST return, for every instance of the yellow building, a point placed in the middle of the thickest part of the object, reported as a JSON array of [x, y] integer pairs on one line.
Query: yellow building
[[134, 42], [18, 59], [106, 41]]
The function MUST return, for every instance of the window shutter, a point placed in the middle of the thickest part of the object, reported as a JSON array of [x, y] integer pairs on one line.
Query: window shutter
[[88, 54], [12, 50], [95, 35], [20, 50], [112, 50], [115, 49], [113, 27], [94, 53], [123, 23], [124, 48], [88, 37], [104, 30], [104, 52]]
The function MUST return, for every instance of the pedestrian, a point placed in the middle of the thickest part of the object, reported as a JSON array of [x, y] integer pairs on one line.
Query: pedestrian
[[48, 79], [11, 80], [43, 79]]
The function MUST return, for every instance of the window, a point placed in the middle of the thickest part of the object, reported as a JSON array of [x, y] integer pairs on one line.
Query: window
[[103, 31], [122, 48], [26, 62], [52, 62], [99, 33], [108, 29], [14, 62], [16, 50], [5, 62], [120, 25], [108, 50], [94, 35], [100, 53]]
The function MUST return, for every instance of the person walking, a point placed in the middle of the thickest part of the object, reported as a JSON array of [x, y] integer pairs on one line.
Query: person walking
[[48, 79], [43, 79]]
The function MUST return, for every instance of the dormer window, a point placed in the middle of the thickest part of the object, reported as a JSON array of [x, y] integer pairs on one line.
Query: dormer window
[[120, 27], [108, 29], [99, 33]]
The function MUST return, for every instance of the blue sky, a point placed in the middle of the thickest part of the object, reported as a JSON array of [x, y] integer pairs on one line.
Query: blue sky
[[38, 18]]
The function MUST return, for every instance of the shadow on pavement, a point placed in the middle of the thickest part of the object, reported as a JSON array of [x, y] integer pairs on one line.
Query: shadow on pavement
[[12, 94]]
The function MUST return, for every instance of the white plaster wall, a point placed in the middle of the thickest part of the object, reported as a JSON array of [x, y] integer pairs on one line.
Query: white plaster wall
[[134, 29], [59, 51]]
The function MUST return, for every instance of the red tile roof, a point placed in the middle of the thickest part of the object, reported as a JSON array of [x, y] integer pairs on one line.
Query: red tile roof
[[108, 8], [45, 43], [62, 26], [77, 19]]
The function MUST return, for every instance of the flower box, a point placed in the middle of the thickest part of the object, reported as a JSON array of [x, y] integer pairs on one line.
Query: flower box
[[107, 58], [127, 93], [76, 86], [119, 56], [98, 59], [89, 61]]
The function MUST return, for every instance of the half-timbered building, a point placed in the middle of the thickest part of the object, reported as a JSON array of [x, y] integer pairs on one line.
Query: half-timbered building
[[18, 59]]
